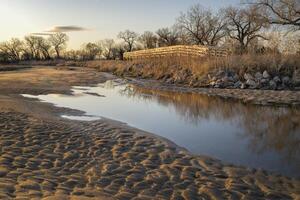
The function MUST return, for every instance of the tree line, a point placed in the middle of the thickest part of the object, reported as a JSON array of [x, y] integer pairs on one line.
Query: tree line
[[241, 29]]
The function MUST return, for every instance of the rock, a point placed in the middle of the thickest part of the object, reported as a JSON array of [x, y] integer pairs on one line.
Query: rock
[[237, 84], [266, 75], [232, 79], [235, 77], [264, 81], [276, 79], [259, 85], [217, 85], [228, 84], [214, 78], [272, 85], [296, 78], [225, 79], [243, 86], [227, 73], [251, 83], [248, 76], [258, 76], [170, 81], [212, 83], [286, 80], [281, 87]]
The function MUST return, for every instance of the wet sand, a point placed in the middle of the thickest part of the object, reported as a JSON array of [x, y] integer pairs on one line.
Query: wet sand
[[43, 156]]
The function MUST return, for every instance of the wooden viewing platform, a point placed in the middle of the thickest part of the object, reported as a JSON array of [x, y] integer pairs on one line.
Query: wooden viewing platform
[[179, 50]]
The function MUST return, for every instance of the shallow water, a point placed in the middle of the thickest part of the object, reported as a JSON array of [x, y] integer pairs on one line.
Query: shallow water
[[248, 135]]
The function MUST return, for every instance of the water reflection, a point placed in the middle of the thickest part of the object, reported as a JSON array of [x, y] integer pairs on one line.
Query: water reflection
[[266, 128], [249, 135]]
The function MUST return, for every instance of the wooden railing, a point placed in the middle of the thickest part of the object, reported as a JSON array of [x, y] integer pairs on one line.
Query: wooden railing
[[179, 50]]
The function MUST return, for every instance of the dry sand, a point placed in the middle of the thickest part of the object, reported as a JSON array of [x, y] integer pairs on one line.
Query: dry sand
[[45, 157]]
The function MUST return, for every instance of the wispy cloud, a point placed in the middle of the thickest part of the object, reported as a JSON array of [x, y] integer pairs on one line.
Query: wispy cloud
[[41, 34], [57, 29]]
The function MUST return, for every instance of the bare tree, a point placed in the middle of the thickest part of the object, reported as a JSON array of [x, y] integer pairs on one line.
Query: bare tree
[[4, 54], [118, 50], [107, 46], [281, 12], [74, 55], [44, 47], [58, 41], [148, 39], [36, 48], [129, 38], [31, 44], [202, 26], [3, 57], [168, 36], [92, 50], [217, 29], [12, 49], [244, 25]]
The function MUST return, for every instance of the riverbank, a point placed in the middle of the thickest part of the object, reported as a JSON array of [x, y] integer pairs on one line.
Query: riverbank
[[44, 156], [262, 87], [141, 74], [256, 72], [4, 68], [284, 95], [258, 97], [275, 72]]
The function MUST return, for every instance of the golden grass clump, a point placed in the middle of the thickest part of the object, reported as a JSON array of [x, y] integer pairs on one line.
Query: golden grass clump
[[191, 70], [273, 63]]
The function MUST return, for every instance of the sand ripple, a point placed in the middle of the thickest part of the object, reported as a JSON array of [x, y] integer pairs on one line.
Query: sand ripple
[[62, 159]]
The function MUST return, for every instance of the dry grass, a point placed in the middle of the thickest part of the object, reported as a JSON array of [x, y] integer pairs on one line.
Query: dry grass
[[273, 63], [153, 68], [193, 70]]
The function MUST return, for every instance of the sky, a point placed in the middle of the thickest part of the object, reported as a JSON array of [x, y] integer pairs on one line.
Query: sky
[[93, 19]]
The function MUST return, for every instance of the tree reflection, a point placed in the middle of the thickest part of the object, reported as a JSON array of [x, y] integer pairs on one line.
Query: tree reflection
[[267, 128]]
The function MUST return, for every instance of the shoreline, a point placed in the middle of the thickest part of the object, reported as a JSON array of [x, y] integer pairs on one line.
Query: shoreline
[[212, 171], [257, 97], [223, 102], [113, 159], [253, 96]]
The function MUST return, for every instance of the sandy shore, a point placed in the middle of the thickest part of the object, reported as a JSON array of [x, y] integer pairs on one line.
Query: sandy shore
[[43, 156]]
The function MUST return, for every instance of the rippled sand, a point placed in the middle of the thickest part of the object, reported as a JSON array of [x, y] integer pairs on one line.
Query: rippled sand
[[45, 157]]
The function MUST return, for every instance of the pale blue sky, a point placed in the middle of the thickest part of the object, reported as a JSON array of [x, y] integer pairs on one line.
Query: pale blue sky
[[104, 18]]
